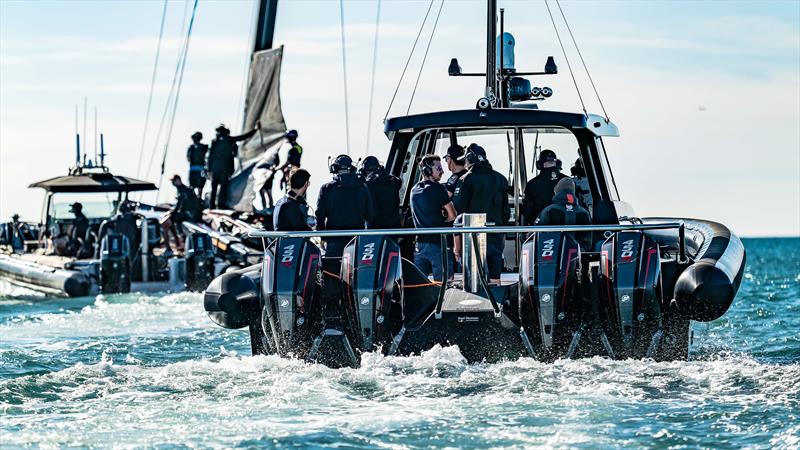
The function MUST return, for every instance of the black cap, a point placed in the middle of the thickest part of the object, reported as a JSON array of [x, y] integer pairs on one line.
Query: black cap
[[370, 163], [77, 206], [547, 155], [291, 134], [222, 129], [197, 135], [475, 154], [456, 153]]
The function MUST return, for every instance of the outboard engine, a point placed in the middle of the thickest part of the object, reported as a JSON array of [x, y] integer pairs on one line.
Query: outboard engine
[[371, 278], [115, 265], [630, 290], [199, 261], [232, 300], [291, 310], [550, 312]]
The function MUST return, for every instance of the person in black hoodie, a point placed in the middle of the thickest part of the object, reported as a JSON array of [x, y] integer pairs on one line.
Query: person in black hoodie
[[565, 210], [484, 190], [540, 189], [385, 191], [291, 211], [196, 155], [343, 204]]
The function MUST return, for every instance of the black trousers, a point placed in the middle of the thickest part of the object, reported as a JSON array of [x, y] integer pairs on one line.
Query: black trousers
[[219, 185]]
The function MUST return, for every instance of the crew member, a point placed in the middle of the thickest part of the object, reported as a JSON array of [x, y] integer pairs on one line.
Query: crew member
[[582, 191], [431, 208], [455, 164], [271, 164], [385, 191], [293, 156], [539, 190], [196, 155], [187, 208], [342, 204], [484, 190], [221, 155], [565, 210], [124, 223], [291, 211]]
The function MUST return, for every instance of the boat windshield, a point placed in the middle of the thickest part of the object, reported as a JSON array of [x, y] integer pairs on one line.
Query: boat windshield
[[95, 205]]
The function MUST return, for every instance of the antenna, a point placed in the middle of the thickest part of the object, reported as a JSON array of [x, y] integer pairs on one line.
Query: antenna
[[77, 141], [491, 63], [95, 135], [85, 107], [102, 152]]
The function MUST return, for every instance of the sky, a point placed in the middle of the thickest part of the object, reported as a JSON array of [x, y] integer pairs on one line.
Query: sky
[[706, 94]]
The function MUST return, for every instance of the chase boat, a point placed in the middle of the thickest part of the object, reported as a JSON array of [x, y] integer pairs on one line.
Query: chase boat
[[632, 293]]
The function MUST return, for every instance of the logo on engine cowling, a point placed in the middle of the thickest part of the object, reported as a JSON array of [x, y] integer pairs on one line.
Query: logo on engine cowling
[[368, 254], [627, 251], [547, 249], [288, 255]]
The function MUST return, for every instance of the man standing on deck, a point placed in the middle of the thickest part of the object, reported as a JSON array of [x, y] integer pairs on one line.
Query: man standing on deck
[[293, 157], [431, 208], [385, 191], [291, 211], [196, 155], [221, 155], [455, 164], [342, 204], [484, 190], [540, 189]]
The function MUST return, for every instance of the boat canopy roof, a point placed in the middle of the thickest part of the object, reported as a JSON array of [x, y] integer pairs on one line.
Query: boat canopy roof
[[94, 182], [500, 117]]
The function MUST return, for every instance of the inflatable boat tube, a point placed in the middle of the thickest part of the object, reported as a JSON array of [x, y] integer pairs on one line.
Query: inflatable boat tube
[[705, 290], [71, 283]]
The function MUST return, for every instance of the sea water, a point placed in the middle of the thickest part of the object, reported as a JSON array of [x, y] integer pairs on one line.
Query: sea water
[[152, 371]]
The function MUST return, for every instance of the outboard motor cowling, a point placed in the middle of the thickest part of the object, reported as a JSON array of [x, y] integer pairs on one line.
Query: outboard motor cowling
[[199, 261], [115, 265], [630, 276], [549, 314], [291, 310], [232, 300], [371, 277]]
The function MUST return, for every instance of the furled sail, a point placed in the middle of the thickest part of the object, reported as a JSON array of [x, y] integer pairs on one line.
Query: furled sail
[[262, 105]]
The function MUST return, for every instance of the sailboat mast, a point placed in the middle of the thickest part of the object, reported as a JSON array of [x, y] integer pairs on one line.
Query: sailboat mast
[[491, 61], [265, 26]]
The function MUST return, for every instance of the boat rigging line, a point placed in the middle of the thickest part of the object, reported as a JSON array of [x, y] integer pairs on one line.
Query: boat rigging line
[[372, 79], [425, 57], [400, 81], [177, 97], [344, 77], [564, 52], [583, 62], [152, 87], [246, 70], [170, 94]]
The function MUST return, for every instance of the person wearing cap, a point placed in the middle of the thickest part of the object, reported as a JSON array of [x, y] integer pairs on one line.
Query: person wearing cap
[[196, 155], [565, 210], [456, 166], [221, 155], [293, 156], [484, 190], [431, 208], [77, 231], [291, 211], [385, 191], [187, 208], [540, 189], [582, 191], [343, 204]]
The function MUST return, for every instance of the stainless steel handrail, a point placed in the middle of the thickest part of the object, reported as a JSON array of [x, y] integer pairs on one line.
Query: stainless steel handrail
[[419, 231]]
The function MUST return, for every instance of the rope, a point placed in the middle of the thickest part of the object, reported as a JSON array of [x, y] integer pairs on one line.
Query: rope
[[564, 52], [169, 95], [425, 19], [424, 58], [152, 88], [177, 96], [344, 76], [372, 79], [583, 62], [331, 274], [246, 71]]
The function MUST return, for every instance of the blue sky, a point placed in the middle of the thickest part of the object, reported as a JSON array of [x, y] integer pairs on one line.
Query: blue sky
[[706, 94]]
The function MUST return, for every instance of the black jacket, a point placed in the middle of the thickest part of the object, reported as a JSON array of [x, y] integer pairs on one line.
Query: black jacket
[[187, 205], [196, 154], [539, 193], [483, 190], [343, 204], [385, 191], [223, 151], [290, 213], [452, 183], [80, 225], [565, 210]]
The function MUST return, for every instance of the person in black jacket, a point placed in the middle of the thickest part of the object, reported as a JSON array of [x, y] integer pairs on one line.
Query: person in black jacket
[[187, 208], [565, 210], [291, 211], [385, 191], [343, 204], [539, 190], [221, 156], [196, 155], [484, 190], [455, 164]]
